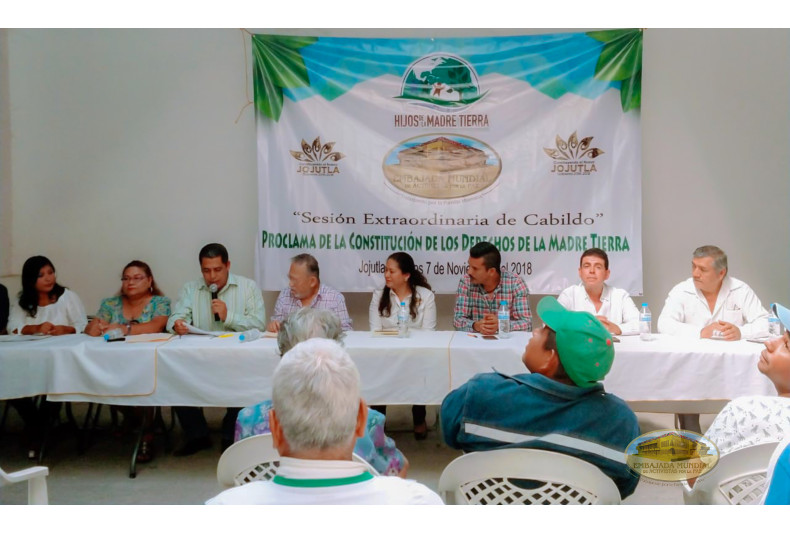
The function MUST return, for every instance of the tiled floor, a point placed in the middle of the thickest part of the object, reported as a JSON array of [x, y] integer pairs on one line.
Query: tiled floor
[[100, 476]]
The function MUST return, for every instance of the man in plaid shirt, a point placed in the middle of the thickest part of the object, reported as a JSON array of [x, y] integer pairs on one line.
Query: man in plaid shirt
[[306, 290], [483, 287]]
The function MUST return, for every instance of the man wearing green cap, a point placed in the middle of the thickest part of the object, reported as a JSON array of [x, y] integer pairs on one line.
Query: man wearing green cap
[[560, 406]]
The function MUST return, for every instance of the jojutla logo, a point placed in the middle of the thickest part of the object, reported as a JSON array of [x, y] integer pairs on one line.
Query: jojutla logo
[[317, 158], [573, 157]]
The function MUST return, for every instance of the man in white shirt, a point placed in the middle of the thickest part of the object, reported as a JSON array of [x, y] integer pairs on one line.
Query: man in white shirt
[[613, 307], [317, 415], [711, 304]]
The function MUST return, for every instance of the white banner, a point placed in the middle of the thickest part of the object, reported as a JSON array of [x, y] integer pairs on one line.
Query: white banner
[[371, 146]]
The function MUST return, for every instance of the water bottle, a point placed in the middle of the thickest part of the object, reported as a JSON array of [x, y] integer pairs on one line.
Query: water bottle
[[113, 334], [403, 321], [250, 335], [503, 317], [645, 323], [774, 329]]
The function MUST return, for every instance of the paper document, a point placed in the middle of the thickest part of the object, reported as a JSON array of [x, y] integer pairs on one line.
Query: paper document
[[149, 337], [197, 331], [16, 338]]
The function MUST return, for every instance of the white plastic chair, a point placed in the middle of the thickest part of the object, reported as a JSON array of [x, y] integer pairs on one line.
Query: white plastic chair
[[737, 479], [255, 459], [485, 478], [36, 478]]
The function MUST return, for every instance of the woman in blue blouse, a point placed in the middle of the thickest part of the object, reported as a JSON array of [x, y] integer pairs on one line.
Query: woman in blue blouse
[[139, 307]]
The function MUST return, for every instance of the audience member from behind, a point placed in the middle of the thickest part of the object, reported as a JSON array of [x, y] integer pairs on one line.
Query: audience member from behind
[[374, 446], [404, 283], [139, 307], [481, 289], [306, 290], [219, 301], [612, 306], [711, 304], [778, 480], [44, 308], [559, 406], [317, 416], [752, 420]]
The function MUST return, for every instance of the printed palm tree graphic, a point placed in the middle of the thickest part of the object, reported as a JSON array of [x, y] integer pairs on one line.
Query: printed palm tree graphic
[[573, 149], [316, 152]]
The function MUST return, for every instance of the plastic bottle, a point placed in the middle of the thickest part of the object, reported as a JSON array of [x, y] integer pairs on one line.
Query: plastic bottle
[[403, 321], [774, 329], [114, 334], [645, 323], [503, 317], [250, 335]]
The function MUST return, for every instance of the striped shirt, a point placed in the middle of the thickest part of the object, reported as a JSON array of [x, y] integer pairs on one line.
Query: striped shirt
[[327, 298], [241, 295], [472, 302]]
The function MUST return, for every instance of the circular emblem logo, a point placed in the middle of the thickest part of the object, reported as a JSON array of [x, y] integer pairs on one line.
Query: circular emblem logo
[[441, 81], [671, 455], [442, 166]]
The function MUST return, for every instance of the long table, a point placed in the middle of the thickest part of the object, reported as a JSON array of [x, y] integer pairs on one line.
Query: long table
[[664, 375]]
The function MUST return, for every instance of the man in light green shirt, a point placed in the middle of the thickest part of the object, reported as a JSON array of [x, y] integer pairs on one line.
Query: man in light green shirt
[[221, 301]]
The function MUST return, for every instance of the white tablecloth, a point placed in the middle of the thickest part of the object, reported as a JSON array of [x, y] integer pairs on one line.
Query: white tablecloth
[[421, 369]]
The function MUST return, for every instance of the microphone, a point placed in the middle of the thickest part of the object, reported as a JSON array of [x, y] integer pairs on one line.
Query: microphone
[[213, 289]]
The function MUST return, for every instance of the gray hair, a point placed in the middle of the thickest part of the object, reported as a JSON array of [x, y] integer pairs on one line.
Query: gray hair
[[310, 263], [715, 253], [307, 323], [315, 393]]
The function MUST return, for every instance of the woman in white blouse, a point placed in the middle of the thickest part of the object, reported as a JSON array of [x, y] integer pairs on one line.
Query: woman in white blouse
[[404, 283], [43, 308]]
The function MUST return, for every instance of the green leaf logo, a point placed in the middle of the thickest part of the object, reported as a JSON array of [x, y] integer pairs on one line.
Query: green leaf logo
[[621, 60]]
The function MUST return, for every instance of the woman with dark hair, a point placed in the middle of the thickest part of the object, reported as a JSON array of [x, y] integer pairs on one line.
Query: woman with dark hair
[[139, 307], [404, 283], [45, 308]]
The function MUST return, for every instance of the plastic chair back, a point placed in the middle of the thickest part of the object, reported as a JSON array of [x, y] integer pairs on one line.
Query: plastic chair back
[[493, 478], [737, 479], [256, 459], [36, 478]]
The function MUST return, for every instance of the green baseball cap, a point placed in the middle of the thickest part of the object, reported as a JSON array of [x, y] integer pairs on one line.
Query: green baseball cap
[[584, 346]]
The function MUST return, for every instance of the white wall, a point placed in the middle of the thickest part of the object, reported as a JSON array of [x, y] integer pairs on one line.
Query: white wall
[[124, 144]]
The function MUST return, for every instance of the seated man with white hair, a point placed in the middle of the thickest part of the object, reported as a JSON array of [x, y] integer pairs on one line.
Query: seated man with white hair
[[374, 446], [316, 417]]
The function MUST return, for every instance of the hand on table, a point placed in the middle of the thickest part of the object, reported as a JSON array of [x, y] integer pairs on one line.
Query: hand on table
[[180, 327], [273, 326], [610, 326], [95, 327], [488, 325], [721, 330]]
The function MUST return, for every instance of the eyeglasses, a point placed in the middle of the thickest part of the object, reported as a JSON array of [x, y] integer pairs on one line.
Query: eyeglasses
[[136, 279]]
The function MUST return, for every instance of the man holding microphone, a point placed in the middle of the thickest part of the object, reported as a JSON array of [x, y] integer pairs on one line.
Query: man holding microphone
[[220, 301]]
